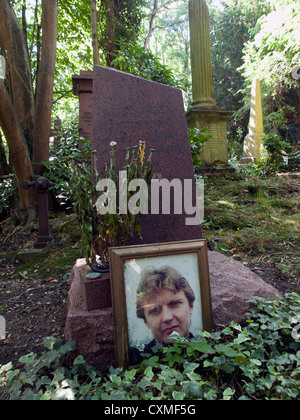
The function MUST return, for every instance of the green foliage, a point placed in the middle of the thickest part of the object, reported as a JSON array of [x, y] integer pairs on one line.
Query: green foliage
[[255, 220], [260, 361], [48, 377], [198, 138], [270, 56], [70, 170], [274, 157], [170, 36], [70, 148], [275, 49], [123, 18], [135, 60], [73, 173], [112, 229], [231, 28], [8, 192], [274, 145], [82, 192]]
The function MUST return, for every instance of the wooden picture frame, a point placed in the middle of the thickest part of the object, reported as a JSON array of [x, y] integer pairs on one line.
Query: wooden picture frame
[[127, 265]]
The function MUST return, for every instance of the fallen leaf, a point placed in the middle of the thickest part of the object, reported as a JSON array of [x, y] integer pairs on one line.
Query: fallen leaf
[[10, 341]]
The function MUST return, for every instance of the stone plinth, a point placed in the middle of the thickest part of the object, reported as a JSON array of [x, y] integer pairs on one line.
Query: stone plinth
[[215, 151], [232, 286], [97, 292], [83, 88], [93, 331]]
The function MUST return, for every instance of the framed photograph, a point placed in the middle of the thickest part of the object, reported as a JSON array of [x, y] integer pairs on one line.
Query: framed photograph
[[157, 290]]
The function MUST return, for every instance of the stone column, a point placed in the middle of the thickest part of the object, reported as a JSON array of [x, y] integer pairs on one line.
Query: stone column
[[252, 142], [200, 53], [204, 112]]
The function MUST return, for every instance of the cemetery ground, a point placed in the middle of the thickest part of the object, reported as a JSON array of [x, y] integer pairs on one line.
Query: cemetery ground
[[251, 219]]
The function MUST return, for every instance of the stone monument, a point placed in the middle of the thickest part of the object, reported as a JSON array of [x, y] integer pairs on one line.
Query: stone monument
[[252, 142], [119, 107], [204, 112]]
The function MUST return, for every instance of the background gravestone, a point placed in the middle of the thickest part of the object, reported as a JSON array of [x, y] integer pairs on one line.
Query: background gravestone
[[252, 142], [128, 109]]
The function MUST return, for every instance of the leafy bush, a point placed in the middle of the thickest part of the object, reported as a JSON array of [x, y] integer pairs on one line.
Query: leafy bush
[[256, 362], [274, 156], [73, 173], [135, 60], [198, 138], [8, 191], [274, 145], [70, 169], [70, 150]]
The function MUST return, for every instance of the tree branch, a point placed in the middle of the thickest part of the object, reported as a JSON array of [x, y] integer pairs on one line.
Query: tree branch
[[12, 38], [150, 31], [95, 39], [152, 16]]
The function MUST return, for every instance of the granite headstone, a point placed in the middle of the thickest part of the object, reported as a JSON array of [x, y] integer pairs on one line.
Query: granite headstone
[[116, 106], [128, 109]]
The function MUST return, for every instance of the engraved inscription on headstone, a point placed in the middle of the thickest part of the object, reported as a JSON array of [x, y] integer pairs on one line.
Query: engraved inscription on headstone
[[128, 109]]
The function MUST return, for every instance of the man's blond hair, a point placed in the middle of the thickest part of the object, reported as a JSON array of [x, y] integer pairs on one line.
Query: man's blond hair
[[153, 280]]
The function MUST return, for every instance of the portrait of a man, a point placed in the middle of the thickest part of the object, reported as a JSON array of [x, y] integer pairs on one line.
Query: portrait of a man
[[160, 292], [165, 302]]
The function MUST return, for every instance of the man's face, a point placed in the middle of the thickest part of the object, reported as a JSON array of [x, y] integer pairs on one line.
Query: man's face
[[166, 312]]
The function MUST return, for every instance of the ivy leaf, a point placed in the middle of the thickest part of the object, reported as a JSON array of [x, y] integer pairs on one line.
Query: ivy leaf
[[204, 348], [226, 350], [228, 394]]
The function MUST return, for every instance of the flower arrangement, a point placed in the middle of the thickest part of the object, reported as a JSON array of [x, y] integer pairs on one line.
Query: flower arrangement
[[113, 229]]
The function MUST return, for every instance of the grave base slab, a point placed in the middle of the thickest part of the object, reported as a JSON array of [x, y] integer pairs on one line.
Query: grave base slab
[[232, 286]]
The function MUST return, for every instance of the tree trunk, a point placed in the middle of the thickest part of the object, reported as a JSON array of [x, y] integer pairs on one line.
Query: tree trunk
[[18, 149], [95, 38], [111, 10], [45, 83], [151, 23], [13, 41]]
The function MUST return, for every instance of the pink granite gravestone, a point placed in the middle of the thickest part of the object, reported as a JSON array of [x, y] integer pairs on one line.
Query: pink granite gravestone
[[116, 106], [83, 87]]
